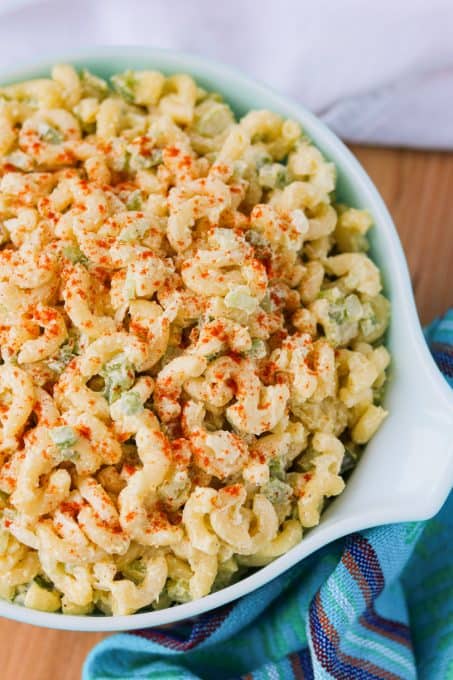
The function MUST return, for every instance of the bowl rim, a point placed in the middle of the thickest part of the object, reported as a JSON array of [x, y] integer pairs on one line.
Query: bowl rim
[[177, 61]]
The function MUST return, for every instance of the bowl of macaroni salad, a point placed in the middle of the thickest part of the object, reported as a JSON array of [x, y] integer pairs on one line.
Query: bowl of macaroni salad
[[192, 335]]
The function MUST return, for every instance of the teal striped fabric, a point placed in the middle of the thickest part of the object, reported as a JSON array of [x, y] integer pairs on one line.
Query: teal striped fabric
[[376, 605]]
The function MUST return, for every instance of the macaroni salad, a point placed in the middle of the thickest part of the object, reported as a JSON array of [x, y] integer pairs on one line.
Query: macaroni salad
[[191, 340]]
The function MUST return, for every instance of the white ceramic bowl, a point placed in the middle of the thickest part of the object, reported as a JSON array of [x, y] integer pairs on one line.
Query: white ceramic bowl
[[407, 469]]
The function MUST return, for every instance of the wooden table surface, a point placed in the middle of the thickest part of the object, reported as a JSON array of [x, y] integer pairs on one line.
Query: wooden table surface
[[418, 189]]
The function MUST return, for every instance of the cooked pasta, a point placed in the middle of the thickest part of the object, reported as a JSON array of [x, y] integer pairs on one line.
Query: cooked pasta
[[191, 340]]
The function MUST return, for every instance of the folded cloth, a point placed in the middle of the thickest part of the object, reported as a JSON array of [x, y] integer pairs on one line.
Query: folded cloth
[[376, 72], [376, 605]]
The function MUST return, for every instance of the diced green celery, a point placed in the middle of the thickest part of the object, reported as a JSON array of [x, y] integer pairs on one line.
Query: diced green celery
[[21, 592], [103, 602], [75, 255], [262, 158], [155, 158], [273, 176], [64, 355], [331, 294], [277, 469], [175, 491], [122, 161], [239, 169], [258, 155], [70, 454], [240, 297], [353, 307], [134, 202], [43, 582], [226, 573], [49, 134], [277, 492], [64, 436], [369, 321], [337, 313], [212, 118], [130, 403], [135, 571], [179, 591], [124, 84], [268, 304], [163, 601], [343, 315], [119, 375], [134, 232], [126, 235], [92, 85], [378, 393], [140, 161], [258, 349], [375, 318], [335, 332], [350, 458]]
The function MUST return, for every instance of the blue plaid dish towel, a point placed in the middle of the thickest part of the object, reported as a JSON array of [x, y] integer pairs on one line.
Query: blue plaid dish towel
[[376, 605]]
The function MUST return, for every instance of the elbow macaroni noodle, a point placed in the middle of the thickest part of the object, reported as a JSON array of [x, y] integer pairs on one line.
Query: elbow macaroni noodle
[[190, 336]]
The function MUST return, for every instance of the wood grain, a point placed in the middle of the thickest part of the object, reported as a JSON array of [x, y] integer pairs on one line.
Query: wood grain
[[418, 189]]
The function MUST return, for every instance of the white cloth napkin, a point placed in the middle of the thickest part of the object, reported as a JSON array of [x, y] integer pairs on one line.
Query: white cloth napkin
[[375, 71]]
